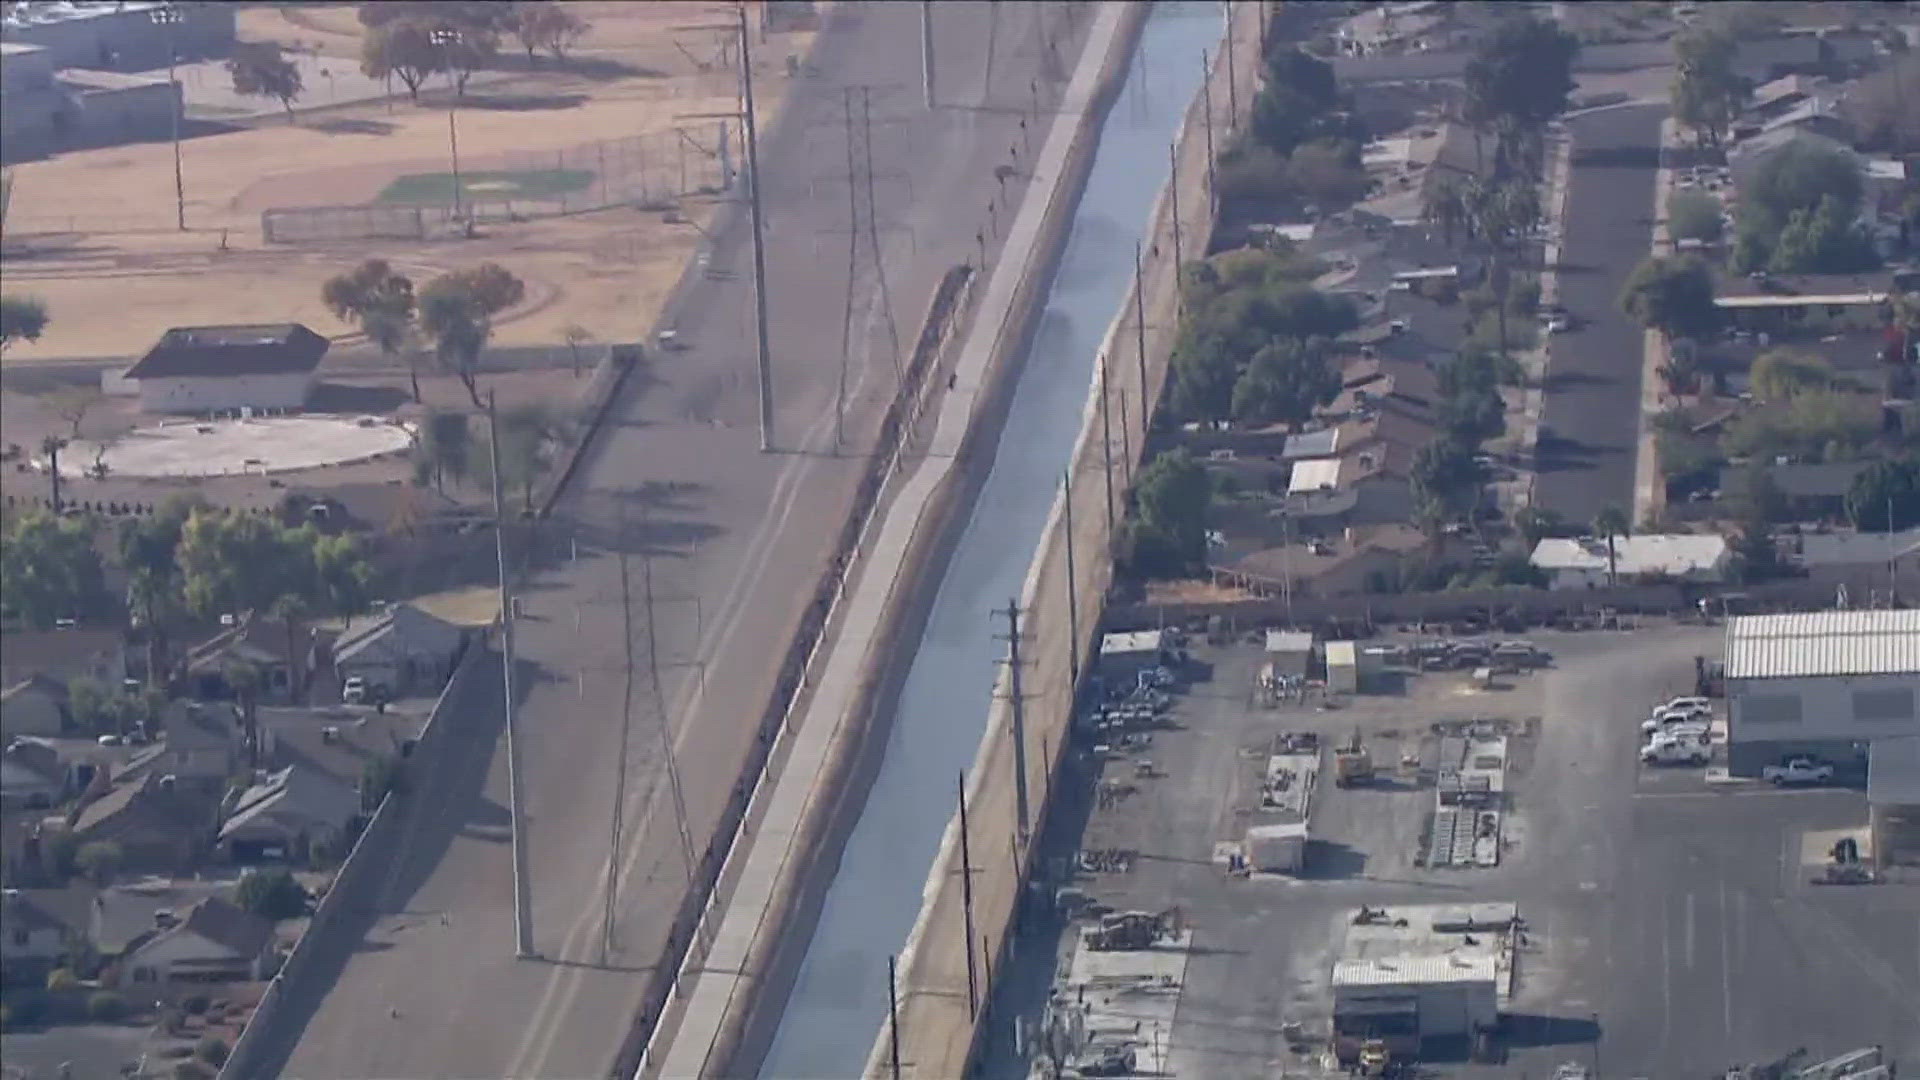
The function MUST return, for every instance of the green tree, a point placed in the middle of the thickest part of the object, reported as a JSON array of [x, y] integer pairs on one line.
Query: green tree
[[1296, 99], [546, 25], [1781, 374], [106, 1007], [1285, 381], [1171, 497], [446, 446], [1708, 93], [1536, 524], [524, 434], [456, 313], [212, 1049], [271, 894], [261, 69], [1519, 78], [1474, 415], [1885, 497], [1824, 240], [1447, 208], [291, 610], [401, 49], [1446, 481], [1798, 176], [1612, 522], [1813, 425], [100, 861], [1328, 173], [1694, 215], [236, 562], [381, 303], [22, 318], [149, 554], [50, 570], [244, 680], [1672, 295], [1880, 106], [1250, 170]]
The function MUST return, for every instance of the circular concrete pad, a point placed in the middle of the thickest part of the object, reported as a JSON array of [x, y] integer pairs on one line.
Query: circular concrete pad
[[266, 444]]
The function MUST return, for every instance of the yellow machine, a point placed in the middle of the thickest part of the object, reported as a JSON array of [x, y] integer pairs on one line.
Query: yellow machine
[[1375, 1058], [1352, 763]]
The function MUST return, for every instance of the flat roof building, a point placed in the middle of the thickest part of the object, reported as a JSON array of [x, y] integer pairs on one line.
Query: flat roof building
[[1825, 684], [1411, 974]]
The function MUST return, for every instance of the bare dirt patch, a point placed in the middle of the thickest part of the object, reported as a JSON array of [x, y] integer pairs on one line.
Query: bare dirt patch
[[93, 232]]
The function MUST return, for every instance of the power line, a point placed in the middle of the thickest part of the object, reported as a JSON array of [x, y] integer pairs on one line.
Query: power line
[[873, 232]]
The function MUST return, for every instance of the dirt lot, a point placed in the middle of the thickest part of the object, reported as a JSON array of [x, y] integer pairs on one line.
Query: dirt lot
[[93, 231]]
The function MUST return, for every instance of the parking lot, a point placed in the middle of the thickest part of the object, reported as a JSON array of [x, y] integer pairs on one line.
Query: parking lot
[[1671, 925]]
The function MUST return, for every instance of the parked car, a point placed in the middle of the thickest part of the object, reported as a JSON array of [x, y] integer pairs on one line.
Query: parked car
[[1688, 749], [1666, 718], [1798, 771], [1697, 703], [354, 690]]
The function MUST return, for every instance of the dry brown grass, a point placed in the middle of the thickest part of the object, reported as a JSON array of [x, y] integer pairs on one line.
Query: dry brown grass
[[115, 273]]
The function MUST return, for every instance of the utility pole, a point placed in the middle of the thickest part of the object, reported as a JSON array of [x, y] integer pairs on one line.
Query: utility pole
[[926, 50], [1173, 191], [1106, 445], [1126, 445], [853, 257], [660, 704], [873, 231], [1140, 339], [620, 759], [522, 901], [1206, 104], [446, 37], [1233, 90], [168, 16], [1012, 638], [966, 903], [1073, 611], [759, 236], [893, 1015]]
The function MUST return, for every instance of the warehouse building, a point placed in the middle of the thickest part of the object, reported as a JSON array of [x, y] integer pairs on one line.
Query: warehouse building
[[1826, 684], [1893, 800], [1423, 974], [208, 369]]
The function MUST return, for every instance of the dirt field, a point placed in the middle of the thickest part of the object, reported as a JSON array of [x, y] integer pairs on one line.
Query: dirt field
[[93, 232]]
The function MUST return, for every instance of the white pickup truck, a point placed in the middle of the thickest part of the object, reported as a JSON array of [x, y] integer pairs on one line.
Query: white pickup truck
[[1798, 771]]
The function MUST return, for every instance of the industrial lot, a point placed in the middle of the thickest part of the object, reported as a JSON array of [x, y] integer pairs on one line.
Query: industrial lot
[[1297, 861]]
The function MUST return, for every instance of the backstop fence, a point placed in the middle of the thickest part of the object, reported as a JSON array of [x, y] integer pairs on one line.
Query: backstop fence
[[638, 170]]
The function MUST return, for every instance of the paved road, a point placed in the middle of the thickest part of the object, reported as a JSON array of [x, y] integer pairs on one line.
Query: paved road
[[1590, 418], [676, 474]]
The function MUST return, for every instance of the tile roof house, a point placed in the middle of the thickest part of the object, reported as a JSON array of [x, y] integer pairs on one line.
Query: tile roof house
[[405, 650], [124, 917], [342, 747], [31, 775], [1582, 563], [1385, 384], [206, 369], [1357, 561], [160, 825], [36, 705], [217, 941], [257, 642], [1866, 564], [32, 938], [287, 814]]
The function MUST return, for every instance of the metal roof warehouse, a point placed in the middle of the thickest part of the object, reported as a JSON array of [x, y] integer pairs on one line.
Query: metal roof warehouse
[[1819, 643]]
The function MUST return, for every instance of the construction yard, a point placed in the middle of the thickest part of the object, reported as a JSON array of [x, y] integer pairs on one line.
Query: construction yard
[[1642, 920], [95, 231]]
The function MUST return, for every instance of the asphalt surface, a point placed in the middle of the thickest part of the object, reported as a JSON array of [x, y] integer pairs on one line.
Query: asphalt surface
[[733, 540], [1591, 409], [839, 997]]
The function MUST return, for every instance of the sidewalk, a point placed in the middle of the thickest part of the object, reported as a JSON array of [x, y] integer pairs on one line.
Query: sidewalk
[[1649, 491]]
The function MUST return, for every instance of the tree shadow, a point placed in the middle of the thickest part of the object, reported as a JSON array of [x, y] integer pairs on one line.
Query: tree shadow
[[1568, 380], [524, 102], [1330, 860], [350, 125], [343, 398]]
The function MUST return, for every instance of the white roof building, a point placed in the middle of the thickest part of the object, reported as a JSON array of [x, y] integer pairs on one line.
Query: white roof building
[[1833, 685], [1823, 643], [1583, 563]]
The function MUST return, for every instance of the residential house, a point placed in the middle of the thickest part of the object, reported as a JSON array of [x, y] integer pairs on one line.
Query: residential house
[[1865, 565], [1371, 458], [217, 941], [1368, 384], [33, 939], [64, 654], [288, 814], [36, 705], [159, 825], [259, 643], [1810, 491], [32, 775], [342, 746], [121, 918], [1582, 563], [1747, 155], [201, 745], [1357, 561], [208, 369], [1775, 98], [403, 650]]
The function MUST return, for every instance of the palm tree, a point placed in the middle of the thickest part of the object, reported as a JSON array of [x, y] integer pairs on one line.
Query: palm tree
[[1612, 522], [381, 303], [291, 609], [244, 680], [1447, 208], [51, 447]]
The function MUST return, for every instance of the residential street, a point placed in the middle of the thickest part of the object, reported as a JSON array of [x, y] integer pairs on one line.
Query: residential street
[[1590, 418], [736, 539]]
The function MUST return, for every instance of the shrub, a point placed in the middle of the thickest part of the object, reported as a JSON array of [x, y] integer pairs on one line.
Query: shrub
[[1694, 215], [107, 1007], [212, 1050], [61, 981], [194, 1003], [193, 1070]]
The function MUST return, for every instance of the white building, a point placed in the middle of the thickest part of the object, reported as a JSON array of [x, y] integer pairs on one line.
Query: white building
[[1124, 654], [215, 942], [403, 651], [205, 369], [1408, 974], [1583, 563], [1824, 683]]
